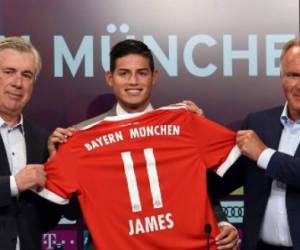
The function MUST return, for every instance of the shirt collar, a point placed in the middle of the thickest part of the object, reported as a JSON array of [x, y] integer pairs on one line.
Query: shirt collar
[[20, 124], [121, 111], [284, 118]]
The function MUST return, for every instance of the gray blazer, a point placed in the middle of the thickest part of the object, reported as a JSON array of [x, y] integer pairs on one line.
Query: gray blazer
[[111, 112]]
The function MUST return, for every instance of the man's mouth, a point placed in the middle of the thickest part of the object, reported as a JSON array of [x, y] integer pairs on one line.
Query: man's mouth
[[133, 91], [14, 95]]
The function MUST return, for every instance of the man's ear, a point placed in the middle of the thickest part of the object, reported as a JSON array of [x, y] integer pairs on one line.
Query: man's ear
[[108, 78], [155, 76]]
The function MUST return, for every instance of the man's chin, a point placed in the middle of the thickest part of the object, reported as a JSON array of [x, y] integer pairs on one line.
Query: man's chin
[[134, 107], [294, 109]]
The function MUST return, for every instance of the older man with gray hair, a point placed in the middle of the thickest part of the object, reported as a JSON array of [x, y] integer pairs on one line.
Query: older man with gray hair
[[23, 148]]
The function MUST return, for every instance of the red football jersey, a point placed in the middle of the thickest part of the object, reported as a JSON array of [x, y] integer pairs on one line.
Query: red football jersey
[[141, 181]]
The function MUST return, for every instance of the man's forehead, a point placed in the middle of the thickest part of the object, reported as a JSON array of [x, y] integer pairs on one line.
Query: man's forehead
[[17, 60], [7, 55], [132, 68], [292, 59], [292, 54], [133, 58]]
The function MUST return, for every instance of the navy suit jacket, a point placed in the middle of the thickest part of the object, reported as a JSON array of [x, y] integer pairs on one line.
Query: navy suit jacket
[[27, 216], [257, 182]]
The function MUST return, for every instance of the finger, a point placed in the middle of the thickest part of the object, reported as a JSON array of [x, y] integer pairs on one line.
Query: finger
[[57, 137], [42, 173], [229, 239], [193, 107], [227, 235], [243, 132], [51, 154], [221, 235], [242, 136], [242, 139], [188, 102], [54, 139], [227, 246], [39, 186], [71, 130], [40, 181], [35, 166], [63, 132]]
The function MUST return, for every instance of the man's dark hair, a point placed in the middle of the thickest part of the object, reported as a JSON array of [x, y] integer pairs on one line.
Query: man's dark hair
[[127, 47]]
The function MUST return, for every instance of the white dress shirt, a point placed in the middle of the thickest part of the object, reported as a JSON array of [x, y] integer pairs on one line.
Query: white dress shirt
[[275, 228], [121, 111]]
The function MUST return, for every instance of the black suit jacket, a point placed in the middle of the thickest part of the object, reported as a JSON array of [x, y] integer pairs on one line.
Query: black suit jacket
[[257, 182], [27, 216]]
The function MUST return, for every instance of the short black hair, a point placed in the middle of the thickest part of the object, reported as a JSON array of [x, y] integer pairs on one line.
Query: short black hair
[[127, 47]]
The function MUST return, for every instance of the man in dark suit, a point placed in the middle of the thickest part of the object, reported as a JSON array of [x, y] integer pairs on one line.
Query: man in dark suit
[[132, 76], [270, 172], [24, 216]]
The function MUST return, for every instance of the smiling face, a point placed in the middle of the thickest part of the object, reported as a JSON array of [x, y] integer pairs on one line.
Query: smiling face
[[17, 72], [132, 82], [290, 77]]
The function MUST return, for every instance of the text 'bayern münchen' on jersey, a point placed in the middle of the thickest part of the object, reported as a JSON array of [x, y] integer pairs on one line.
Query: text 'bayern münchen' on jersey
[[141, 181]]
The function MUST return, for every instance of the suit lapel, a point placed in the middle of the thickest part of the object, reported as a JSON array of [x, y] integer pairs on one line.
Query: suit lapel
[[275, 139], [4, 166], [274, 133], [29, 142], [298, 151], [112, 111], [277, 130]]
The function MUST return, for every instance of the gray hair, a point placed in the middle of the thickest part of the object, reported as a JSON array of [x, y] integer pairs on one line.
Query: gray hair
[[292, 43], [21, 45]]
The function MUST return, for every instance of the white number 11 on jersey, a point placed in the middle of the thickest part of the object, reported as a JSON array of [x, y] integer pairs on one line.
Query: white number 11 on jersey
[[132, 184]]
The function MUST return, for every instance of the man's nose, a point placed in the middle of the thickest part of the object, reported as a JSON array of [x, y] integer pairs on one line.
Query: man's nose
[[17, 81], [133, 79]]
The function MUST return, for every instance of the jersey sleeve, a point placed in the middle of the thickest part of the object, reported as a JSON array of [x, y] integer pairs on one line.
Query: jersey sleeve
[[216, 144], [62, 179]]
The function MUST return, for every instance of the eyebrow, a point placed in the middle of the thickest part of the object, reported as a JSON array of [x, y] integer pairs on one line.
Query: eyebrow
[[292, 73], [140, 69], [12, 68], [28, 71]]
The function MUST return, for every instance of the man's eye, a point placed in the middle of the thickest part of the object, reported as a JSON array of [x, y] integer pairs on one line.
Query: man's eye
[[293, 76], [28, 76], [8, 72], [143, 73]]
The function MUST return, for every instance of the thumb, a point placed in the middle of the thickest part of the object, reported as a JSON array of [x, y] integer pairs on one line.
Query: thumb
[[52, 154]]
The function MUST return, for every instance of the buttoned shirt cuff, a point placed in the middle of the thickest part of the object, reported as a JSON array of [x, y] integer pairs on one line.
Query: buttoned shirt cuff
[[13, 186], [224, 223], [265, 157]]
